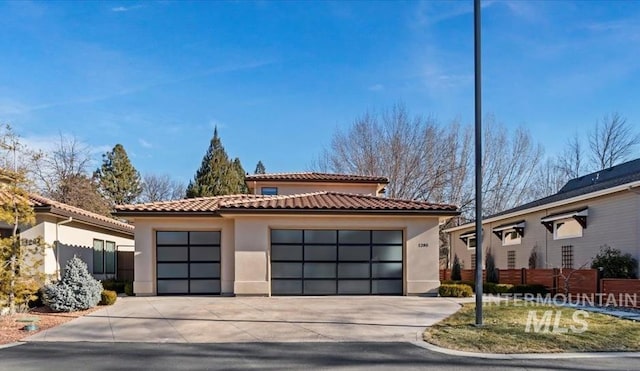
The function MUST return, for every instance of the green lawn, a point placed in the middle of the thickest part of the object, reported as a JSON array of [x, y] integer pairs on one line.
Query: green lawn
[[505, 325]]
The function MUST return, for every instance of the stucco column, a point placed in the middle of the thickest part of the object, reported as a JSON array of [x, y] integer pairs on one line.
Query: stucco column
[[422, 257], [251, 259]]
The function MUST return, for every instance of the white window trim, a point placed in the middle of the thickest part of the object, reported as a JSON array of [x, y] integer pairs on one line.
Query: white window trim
[[516, 241], [555, 229], [469, 247]]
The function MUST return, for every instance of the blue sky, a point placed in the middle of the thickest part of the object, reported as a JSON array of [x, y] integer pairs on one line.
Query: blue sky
[[278, 78]]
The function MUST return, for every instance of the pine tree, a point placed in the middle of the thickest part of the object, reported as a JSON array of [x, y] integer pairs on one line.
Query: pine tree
[[490, 266], [456, 274], [217, 174], [260, 169], [119, 181], [77, 290]]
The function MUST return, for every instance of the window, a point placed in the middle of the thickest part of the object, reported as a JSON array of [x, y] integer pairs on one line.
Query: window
[[567, 256], [511, 259], [511, 237], [473, 261], [471, 243], [98, 256], [269, 191], [104, 257], [566, 228]]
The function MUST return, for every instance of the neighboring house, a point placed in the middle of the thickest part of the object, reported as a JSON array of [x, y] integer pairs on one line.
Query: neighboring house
[[338, 237], [567, 229], [105, 244]]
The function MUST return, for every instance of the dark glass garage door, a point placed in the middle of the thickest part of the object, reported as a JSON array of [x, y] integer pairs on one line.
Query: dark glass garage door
[[188, 263], [336, 262]]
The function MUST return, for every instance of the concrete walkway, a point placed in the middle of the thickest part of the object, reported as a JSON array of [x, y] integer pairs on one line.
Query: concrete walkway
[[278, 319]]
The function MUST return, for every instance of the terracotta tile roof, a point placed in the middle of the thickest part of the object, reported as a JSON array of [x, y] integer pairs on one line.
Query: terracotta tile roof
[[318, 201], [317, 177], [43, 204], [195, 205]]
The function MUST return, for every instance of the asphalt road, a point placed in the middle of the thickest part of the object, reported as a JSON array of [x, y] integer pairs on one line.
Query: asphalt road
[[274, 356]]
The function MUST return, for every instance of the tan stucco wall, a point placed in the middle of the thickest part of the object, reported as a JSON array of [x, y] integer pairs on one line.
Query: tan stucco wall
[[75, 239], [285, 188], [613, 220], [245, 247]]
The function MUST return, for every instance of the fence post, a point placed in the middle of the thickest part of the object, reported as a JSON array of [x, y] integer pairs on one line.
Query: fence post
[[523, 276]]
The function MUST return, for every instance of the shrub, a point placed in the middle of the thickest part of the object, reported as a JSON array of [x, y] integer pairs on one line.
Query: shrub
[[533, 258], [456, 275], [108, 297], [128, 288], [77, 290], [534, 289], [455, 291], [496, 288], [471, 284], [114, 285], [613, 264], [492, 271]]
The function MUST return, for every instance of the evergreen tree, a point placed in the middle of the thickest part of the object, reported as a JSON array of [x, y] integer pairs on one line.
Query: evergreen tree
[[456, 274], [119, 181], [77, 290], [490, 266], [260, 169], [217, 174]]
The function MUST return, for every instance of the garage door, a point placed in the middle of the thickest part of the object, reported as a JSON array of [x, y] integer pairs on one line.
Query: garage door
[[188, 262], [336, 262]]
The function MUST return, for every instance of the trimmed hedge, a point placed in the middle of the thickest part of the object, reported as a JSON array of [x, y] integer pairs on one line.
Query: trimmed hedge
[[108, 297], [471, 284], [496, 288], [455, 291], [128, 289], [114, 285]]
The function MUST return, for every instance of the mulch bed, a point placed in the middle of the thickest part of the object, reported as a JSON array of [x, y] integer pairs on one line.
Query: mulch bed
[[11, 331]]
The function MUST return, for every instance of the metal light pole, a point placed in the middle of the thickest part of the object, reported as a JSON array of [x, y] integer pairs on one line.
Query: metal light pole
[[478, 167]]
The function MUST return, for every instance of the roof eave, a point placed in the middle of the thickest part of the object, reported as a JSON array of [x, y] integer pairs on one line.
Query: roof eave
[[338, 211], [83, 219]]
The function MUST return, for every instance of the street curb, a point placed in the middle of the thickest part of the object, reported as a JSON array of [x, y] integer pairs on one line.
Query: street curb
[[460, 353], [10, 345]]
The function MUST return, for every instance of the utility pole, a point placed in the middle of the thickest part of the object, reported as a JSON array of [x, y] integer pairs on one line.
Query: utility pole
[[478, 133]]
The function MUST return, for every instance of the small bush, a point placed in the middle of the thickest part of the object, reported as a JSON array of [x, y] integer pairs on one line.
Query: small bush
[[128, 288], [114, 285], [614, 264], [456, 274], [77, 290], [496, 288], [455, 291], [108, 297], [471, 284], [529, 289]]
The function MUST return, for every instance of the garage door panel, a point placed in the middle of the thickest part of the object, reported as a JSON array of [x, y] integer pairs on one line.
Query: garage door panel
[[280, 236], [387, 237], [353, 270], [204, 286], [172, 238], [173, 270], [286, 287], [204, 238], [320, 287], [387, 253], [172, 253], [386, 286], [319, 270], [354, 253], [173, 287], [204, 253], [354, 237], [286, 252], [386, 270], [286, 270], [320, 237], [320, 253], [203, 270], [354, 287]]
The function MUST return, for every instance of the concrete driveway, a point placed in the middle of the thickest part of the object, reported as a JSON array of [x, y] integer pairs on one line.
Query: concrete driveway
[[255, 319]]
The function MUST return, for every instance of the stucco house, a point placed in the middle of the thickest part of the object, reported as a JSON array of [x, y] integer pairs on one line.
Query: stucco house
[[295, 234], [105, 244], [566, 229]]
